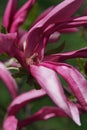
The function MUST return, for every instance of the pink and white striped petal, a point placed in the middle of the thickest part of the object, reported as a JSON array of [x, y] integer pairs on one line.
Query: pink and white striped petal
[[74, 78], [44, 113], [49, 81], [23, 99]]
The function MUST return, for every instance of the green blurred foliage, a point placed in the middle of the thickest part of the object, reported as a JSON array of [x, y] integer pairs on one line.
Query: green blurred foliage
[[72, 41]]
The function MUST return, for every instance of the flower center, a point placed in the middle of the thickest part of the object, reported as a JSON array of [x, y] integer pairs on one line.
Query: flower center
[[33, 59]]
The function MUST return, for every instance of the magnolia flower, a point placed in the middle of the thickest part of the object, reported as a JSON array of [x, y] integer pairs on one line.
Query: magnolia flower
[[45, 68], [44, 71]]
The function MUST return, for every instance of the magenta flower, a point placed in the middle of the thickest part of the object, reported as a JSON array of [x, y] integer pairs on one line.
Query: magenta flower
[[45, 68], [44, 71]]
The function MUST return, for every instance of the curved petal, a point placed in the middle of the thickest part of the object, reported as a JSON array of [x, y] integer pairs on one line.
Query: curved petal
[[35, 34], [35, 43], [74, 22], [61, 13], [79, 21], [49, 81], [68, 30], [21, 15], [43, 114], [8, 80], [54, 37], [46, 113], [10, 123], [77, 83], [9, 13], [42, 15], [75, 113], [75, 79], [82, 53], [23, 99], [7, 41]]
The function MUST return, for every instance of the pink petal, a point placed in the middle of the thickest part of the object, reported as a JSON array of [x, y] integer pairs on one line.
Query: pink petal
[[8, 80], [76, 81], [79, 21], [21, 15], [42, 15], [68, 30], [61, 13], [74, 113], [7, 41], [43, 114], [10, 123], [54, 37], [37, 31], [74, 78], [35, 43], [9, 13], [74, 22], [82, 53], [49, 81], [23, 99]]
